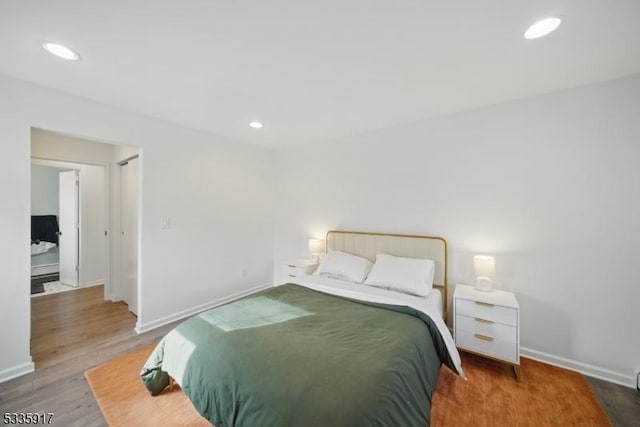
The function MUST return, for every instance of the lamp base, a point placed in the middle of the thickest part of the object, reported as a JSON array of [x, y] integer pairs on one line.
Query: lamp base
[[484, 284]]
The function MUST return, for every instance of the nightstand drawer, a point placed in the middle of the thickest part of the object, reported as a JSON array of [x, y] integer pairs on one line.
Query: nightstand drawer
[[501, 344], [486, 327], [297, 269], [293, 271], [495, 313]]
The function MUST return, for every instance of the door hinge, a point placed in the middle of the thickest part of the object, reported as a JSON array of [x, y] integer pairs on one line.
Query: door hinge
[[77, 268]]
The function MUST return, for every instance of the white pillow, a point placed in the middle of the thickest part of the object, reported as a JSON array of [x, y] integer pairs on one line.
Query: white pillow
[[408, 275], [344, 266]]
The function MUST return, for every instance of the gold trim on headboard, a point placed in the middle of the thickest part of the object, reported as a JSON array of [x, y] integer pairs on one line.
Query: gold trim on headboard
[[444, 286]]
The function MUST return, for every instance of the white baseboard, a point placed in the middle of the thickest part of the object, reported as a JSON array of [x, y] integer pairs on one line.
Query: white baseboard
[[93, 283], [37, 270], [145, 327], [16, 371], [583, 368]]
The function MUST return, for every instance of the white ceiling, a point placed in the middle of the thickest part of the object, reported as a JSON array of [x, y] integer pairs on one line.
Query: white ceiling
[[314, 70]]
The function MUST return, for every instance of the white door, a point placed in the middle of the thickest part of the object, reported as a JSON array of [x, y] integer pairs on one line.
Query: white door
[[129, 230], [68, 223]]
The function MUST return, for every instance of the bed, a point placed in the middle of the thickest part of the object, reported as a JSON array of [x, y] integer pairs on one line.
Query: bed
[[317, 351], [38, 247]]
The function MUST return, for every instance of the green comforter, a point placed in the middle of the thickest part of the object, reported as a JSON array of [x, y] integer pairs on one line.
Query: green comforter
[[292, 356]]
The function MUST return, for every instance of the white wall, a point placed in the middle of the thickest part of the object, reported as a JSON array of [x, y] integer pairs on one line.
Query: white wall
[[93, 217], [44, 190], [549, 185], [219, 194]]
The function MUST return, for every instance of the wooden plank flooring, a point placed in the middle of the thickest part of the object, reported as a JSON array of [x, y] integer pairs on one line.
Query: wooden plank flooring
[[622, 404], [71, 332], [77, 330]]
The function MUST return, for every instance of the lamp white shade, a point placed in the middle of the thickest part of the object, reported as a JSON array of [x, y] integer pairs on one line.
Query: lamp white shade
[[484, 265], [316, 246]]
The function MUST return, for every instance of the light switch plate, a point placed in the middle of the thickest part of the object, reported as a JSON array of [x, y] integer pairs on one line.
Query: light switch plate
[[165, 222]]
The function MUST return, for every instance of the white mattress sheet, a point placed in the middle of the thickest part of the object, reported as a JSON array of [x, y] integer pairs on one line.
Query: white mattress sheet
[[41, 247], [427, 305], [434, 300]]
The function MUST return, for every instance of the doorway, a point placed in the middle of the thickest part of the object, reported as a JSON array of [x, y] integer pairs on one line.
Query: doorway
[[100, 259], [94, 169]]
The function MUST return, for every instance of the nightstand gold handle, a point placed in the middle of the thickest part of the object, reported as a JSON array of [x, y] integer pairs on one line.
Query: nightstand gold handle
[[292, 266], [292, 275], [486, 304], [483, 320], [483, 337]]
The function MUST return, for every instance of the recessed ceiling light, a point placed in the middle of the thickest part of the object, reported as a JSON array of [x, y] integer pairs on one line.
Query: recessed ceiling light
[[255, 125], [61, 51], [542, 27]]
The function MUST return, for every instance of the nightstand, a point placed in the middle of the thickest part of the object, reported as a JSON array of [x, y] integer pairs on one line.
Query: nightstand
[[488, 324], [299, 267]]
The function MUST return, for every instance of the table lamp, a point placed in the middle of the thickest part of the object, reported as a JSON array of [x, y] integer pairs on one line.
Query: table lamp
[[316, 247], [485, 268]]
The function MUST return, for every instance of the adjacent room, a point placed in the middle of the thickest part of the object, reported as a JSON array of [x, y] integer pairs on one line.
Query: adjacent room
[[333, 213]]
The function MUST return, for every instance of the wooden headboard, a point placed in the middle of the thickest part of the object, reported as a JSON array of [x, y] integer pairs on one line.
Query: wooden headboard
[[368, 245]]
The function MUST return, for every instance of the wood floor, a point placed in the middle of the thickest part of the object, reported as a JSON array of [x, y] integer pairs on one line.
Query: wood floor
[[72, 332], [622, 404], [77, 330]]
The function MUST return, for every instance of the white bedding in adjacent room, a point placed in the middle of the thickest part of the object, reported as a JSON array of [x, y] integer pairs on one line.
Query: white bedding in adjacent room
[[41, 247], [427, 305]]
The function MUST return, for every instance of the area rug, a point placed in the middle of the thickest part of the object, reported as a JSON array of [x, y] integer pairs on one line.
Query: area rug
[[53, 288], [547, 396], [37, 282], [124, 401], [37, 288]]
